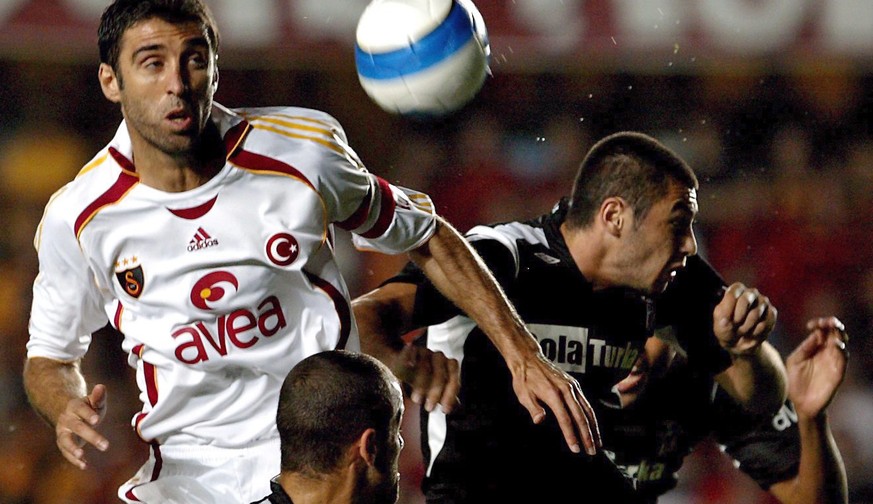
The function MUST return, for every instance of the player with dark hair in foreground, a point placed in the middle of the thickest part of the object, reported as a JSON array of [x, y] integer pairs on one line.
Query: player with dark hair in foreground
[[205, 236], [339, 420], [593, 280], [668, 408]]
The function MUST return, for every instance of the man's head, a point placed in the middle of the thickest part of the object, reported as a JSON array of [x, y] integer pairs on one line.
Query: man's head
[[340, 410], [158, 59], [644, 198]]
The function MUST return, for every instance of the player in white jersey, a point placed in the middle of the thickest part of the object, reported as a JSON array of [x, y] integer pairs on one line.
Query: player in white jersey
[[204, 235]]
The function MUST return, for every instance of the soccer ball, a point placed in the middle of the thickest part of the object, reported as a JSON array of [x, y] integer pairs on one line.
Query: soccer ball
[[422, 57]]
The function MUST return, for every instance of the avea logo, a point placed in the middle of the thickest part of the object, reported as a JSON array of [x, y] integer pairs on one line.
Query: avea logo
[[571, 349], [240, 328], [211, 288]]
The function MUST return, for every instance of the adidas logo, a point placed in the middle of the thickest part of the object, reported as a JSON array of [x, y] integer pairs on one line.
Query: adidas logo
[[201, 240]]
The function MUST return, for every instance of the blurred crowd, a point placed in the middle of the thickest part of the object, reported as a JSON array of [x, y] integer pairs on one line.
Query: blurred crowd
[[786, 169]]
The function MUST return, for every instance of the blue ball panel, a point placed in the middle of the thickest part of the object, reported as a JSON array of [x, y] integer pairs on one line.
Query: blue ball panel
[[447, 38]]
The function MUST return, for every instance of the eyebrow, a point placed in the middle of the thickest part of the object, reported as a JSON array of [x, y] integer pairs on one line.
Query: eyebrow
[[198, 42], [148, 48]]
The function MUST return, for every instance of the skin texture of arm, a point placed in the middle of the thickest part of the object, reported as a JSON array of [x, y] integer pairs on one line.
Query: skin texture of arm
[[756, 378], [57, 391], [815, 371], [460, 275]]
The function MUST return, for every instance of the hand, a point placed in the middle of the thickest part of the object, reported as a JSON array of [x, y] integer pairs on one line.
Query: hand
[[431, 375], [743, 319], [538, 380], [817, 367], [75, 426]]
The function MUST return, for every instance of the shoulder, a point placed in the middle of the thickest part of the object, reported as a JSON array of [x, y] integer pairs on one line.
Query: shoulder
[[510, 234], [497, 243], [304, 119], [95, 179], [304, 137]]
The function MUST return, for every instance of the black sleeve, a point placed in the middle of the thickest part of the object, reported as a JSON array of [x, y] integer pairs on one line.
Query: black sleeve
[[766, 448], [431, 307], [687, 305]]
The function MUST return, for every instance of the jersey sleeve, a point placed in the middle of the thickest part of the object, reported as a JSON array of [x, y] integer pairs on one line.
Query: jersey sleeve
[[431, 307], [381, 216], [767, 449], [66, 306], [686, 308]]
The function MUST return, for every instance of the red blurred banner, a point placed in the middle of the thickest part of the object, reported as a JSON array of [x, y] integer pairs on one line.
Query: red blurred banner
[[524, 33]]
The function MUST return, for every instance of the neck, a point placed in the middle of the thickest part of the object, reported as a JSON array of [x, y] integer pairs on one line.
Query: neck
[[178, 172], [588, 253], [337, 488]]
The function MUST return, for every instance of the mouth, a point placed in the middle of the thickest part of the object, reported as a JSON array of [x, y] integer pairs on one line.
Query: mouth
[[180, 119]]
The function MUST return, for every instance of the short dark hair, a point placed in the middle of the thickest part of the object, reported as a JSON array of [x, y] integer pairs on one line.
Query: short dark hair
[[631, 165], [122, 14], [327, 401]]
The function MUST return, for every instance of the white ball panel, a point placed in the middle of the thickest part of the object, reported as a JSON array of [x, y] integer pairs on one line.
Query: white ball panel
[[387, 25]]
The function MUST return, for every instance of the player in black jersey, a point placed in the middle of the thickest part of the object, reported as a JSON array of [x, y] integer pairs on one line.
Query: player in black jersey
[[668, 408], [584, 278]]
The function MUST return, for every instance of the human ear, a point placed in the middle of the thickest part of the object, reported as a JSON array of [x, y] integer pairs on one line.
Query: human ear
[[612, 215], [109, 83], [367, 446]]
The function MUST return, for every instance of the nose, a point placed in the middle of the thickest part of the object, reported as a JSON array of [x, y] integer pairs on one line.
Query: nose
[[689, 244], [177, 80]]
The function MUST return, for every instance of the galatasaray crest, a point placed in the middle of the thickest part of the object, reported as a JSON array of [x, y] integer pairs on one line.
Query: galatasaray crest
[[130, 276]]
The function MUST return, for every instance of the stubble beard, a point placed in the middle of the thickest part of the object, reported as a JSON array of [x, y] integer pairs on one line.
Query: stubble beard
[[171, 143]]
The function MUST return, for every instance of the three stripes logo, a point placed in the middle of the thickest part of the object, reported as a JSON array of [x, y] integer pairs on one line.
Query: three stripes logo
[[201, 240]]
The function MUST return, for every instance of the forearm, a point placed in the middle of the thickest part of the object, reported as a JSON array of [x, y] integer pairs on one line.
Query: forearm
[[460, 275], [51, 384], [821, 476], [757, 380]]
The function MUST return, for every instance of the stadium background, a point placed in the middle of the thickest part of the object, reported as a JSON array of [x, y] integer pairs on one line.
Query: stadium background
[[768, 99]]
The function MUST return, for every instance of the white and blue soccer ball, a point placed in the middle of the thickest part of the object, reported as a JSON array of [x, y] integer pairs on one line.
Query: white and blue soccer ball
[[422, 57]]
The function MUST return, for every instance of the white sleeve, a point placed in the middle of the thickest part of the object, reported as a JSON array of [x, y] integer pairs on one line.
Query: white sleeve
[[382, 217], [66, 301]]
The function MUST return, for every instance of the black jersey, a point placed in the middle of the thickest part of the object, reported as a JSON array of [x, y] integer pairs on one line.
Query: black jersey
[[649, 440], [488, 450]]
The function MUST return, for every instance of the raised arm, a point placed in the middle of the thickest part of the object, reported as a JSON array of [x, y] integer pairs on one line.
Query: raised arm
[[816, 369], [756, 377], [461, 276], [57, 391]]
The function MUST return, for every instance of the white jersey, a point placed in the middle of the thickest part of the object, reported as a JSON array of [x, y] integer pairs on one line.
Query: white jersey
[[219, 291]]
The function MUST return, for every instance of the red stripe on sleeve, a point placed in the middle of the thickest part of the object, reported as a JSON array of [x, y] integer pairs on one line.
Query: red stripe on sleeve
[[386, 210], [359, 216]]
